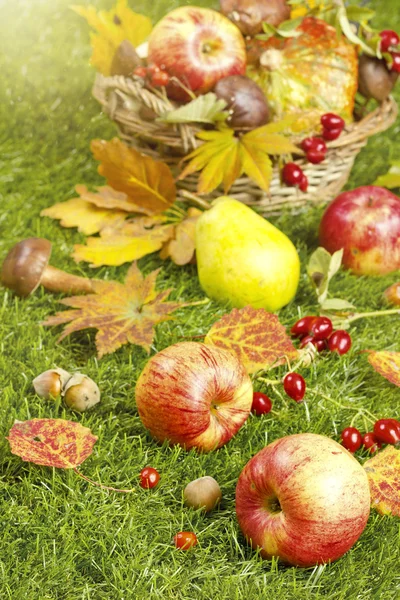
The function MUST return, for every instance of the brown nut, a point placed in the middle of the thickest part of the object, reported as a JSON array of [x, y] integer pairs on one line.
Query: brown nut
[[375, 80], [81, 392], [246, 102], [51, 383], [202, 493], [249, 15]]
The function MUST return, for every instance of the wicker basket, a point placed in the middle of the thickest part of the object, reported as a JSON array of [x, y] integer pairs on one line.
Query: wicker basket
[[126, 102]]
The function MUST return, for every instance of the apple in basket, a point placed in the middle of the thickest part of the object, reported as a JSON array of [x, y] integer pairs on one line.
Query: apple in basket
[[303, 498], [194, 395], [365, 222], [197, 47]]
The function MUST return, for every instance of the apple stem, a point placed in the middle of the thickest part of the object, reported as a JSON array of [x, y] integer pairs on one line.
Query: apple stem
[[103, 487]]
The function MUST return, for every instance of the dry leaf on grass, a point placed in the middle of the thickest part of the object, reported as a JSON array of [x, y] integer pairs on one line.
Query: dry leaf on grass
[[386, 364], [383, 472], [256, 337], [121, 313], [182, 246]]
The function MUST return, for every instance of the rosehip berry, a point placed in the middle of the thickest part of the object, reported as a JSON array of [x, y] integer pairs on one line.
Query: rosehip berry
[[159, 79], [396, 62], [320, 345], [387, 431], [315, 156], [152, 69], [295, 386], [303, 185], [149, 478], [292, 174], [261, 404], [331, 134], [332, 121], [313, 143], [389, 38], [140, 72], [302, 326], [321, 328], [184, 540], [339, 341], [371, 442], [351, 439]]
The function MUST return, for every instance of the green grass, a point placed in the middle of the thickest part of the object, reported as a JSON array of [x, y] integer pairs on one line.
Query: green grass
[[63, 539]]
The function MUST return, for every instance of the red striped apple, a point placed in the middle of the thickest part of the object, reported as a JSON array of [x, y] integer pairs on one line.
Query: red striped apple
[[197, 46], [365, 222], [303, 498], [194, 395]]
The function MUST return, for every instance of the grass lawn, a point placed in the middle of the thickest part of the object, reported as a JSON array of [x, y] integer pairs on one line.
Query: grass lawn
[[64, 539]]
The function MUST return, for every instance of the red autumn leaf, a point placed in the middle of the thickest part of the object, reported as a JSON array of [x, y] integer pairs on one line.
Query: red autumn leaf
[[383, 472], [387, 364], [51, 442], [256, 336]]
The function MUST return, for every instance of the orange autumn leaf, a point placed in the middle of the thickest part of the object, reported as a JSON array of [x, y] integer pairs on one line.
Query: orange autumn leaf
[[383, 472], [182, 246], [121, 313], [51, 442], [386, 364], [148, 183], [106, 197], [256, 337], [392, 294]]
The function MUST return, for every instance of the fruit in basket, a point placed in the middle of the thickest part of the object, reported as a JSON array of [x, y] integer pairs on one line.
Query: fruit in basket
[[303, 498], [249, 15], [375, 80], [246, 103], [308, 75], [194, 395], [196, 47], [242, 259], [365, 222]]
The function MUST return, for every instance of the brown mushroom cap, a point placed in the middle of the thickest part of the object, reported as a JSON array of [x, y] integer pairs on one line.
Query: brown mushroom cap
[[24, 265]]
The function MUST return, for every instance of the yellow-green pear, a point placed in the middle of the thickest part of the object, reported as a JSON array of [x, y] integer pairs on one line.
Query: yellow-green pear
[[244, 260]]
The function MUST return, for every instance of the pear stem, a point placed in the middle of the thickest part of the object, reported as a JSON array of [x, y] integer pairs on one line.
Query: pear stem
[[195, 199]]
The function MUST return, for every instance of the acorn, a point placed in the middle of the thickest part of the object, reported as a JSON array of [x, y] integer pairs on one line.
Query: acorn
[[81, 392], [202, 493], [375, 80], [51, 383], [249, 15], [246, 103]]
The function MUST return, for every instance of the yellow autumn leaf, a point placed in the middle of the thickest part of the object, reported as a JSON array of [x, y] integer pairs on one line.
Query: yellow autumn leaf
[[182, 246], [87, 217], [110, 29], [383, 472]]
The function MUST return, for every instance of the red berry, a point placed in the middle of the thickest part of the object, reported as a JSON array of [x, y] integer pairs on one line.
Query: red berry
[[152, 69], [261, 404], [302, 326], [295, 386], [331, 134], [303, 185], [387, 431], [389, 38], [332, 121], [396, 62], [339, 341], [320, 345], [292, 174], [321, 328], [315, 156], [140, 72], [313, 143], [371, 442], [184, 540], [159, 79], [351, 438], [149, 478]]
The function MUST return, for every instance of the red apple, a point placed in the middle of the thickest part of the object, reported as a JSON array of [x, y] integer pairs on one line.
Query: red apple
[[197, 46], [303, 498], [365, 222], [194, 395]]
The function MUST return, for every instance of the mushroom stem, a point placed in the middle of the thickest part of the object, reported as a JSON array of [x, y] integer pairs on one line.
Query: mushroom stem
[[55, 280]]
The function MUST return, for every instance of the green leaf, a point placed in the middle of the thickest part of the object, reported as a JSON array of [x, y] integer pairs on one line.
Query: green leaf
[[391, 179], [359, 13], [287, 29], [349, 33], [321, 268], [336, 304], [204, 109]]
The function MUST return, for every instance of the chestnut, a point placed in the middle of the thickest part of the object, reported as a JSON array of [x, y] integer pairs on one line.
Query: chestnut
[[375, 80], [246, 102], [249, 15]]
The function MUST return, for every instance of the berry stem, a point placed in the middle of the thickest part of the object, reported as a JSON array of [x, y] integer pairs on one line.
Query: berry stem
[[269, 381], [376, 313], [102, 486]]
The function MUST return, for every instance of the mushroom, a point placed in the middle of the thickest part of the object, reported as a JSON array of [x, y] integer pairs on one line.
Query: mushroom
[[26, 266]]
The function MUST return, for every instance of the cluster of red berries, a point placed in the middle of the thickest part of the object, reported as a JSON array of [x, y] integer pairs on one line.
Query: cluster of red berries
[[390, 43], [294, 386], [153, 75], [319, 332], [386, 431]]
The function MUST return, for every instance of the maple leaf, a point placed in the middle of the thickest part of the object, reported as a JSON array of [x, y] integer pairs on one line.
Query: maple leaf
[[256, 337], [386, 364], [182, 246], [148, 183], [121, 313], [383, 472], [113, 27], [224, 157], [51, 442]]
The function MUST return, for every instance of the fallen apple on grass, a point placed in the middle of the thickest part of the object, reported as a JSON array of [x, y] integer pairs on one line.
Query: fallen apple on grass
[[365, 222], [303, 498], [194, 395]]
